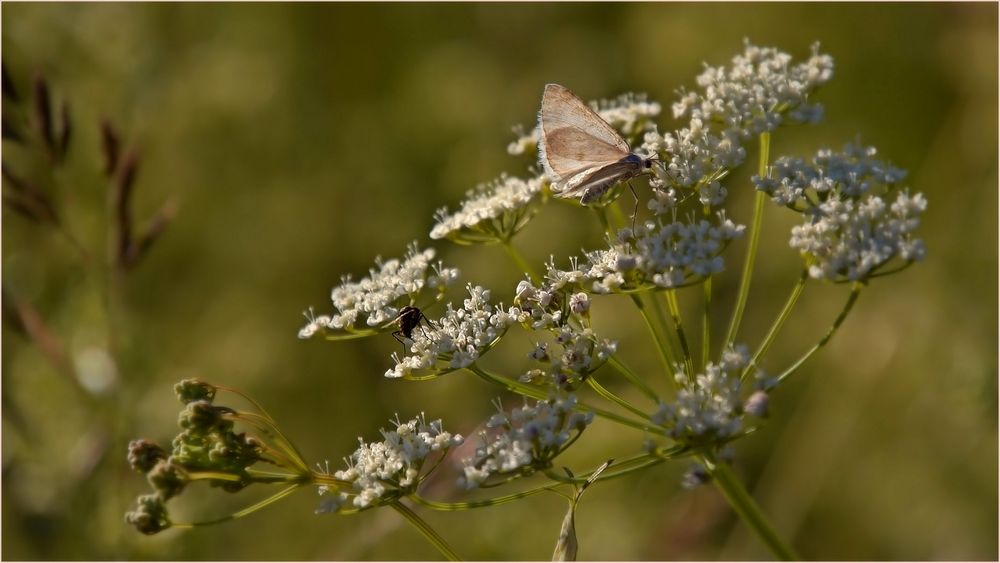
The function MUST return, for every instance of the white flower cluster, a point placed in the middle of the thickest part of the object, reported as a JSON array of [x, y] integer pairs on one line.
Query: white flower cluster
[[528, 437], [457, 339], [387, 469], [582, 353], [849, 229], [629, 113], [751, 97], [851, 239], [708, 407], [663, 255], [491, 212], [851, 173], [376, 299], [753, 94]]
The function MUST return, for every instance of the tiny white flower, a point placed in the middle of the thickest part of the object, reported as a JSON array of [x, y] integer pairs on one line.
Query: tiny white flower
[[491, 212]]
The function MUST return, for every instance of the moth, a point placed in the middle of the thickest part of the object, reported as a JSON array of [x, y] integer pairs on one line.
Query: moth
[[580, 151]]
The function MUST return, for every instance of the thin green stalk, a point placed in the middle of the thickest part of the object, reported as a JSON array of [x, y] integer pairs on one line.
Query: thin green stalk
[[746, 508], [521, 262], [535, 393], [706, 323], [851, 299], [453, 506], [602, 216], [758, 215], [779, 322], [241, 513], [668, 363], [607, 394], [675, 313], [425, 529], [633, 378]]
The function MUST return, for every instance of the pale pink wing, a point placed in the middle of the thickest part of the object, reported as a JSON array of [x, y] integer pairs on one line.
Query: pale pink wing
[[573, 138]]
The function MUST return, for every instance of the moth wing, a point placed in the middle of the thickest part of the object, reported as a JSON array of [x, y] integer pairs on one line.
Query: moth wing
[[590, 184], [573, 137]]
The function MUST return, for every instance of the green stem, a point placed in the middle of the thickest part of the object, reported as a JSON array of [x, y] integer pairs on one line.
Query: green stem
[[607, 394], [706, 323], [633, 378], [668, 363], [521, 262], [675, 313], [758, 215], [535, 393], [855, 291], [779, 322], [425, 529], [744, 506], [248, 510], [453, 506], [602, 216]]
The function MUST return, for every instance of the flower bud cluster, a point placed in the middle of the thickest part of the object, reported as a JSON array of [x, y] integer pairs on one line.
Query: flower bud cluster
[[525, 440], [581, 353]]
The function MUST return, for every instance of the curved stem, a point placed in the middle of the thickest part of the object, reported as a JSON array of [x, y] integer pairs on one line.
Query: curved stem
[[425, 529], [855, 291], [668, 363], [633, 378], [744, 506], [758, 215], [520, 261], [779, 322], [607, 394], [675, 314], [529, 391], [453, 506], [706, 323], [248, 510]]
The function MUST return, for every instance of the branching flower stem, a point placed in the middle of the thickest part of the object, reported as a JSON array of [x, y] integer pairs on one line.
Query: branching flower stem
[[633, 378], [851, 299], [520, 261], [758, 216], [706, 322], [675, 314], [426, 530], [779, 322], [536, 393], [746, 508], [607, 394], [661, 345]]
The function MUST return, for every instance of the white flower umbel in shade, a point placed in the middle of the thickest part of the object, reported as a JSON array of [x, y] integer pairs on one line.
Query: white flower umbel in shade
[[455, 340], [370, 305], [852, 227], [573, 355], [848, 240], [382, 472], [630, 114], [708, 407], [491, 213], [525, 440], [757, 91], [695, 158], [800, 184]]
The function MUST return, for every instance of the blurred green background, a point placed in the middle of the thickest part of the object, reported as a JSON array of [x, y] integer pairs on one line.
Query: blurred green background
[[301, 141]]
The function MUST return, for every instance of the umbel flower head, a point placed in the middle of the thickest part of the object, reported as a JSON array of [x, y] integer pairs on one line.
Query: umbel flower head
[[455, 340], [492, 212], [382, 472], [368, 306], [849, 231], [708, 407], [525, 440]]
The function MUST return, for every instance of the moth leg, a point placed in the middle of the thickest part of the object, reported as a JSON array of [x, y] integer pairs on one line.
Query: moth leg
[[635, 196]]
